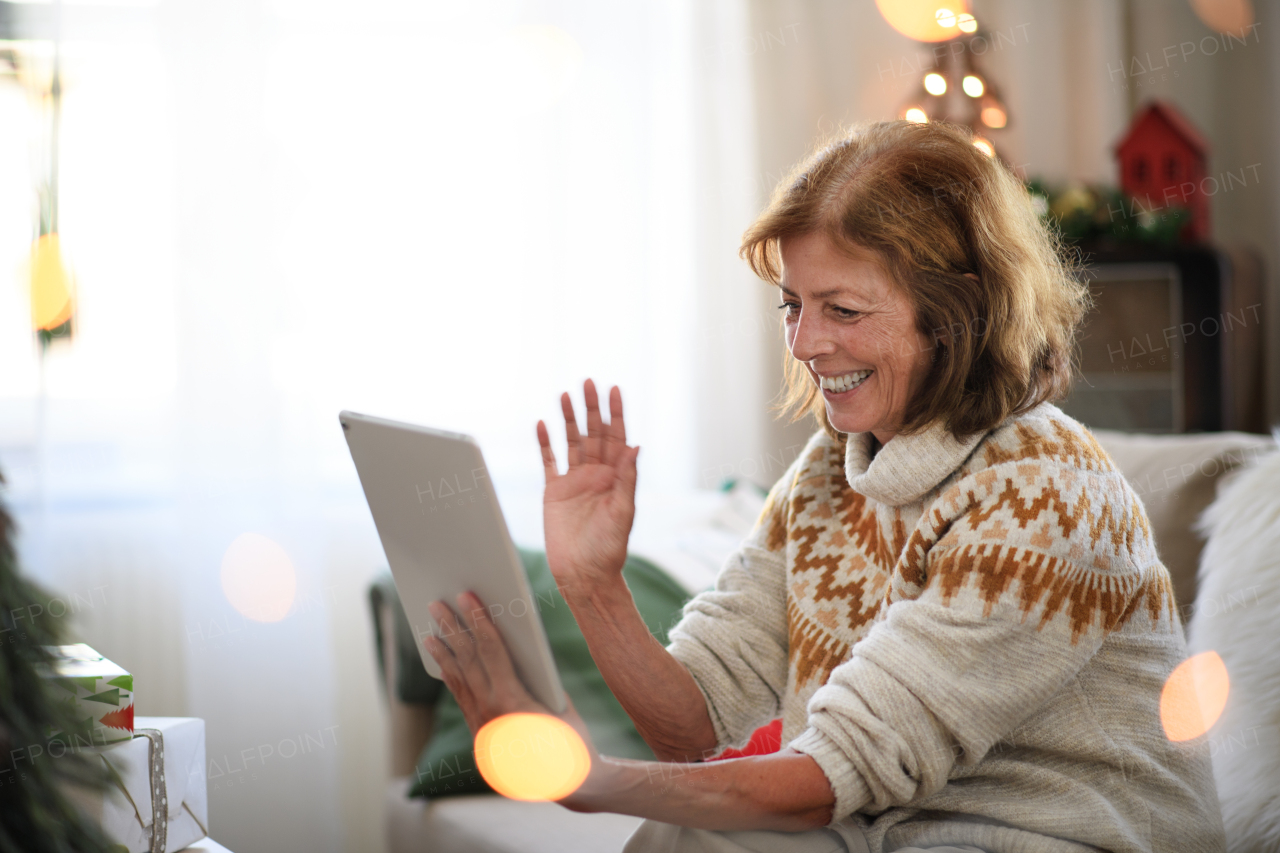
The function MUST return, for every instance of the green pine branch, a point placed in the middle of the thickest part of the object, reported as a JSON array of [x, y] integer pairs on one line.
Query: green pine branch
[[35, 813]]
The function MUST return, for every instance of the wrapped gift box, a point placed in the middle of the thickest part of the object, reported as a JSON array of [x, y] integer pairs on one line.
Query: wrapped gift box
[[99, 692], [205, 845], [155, 806]]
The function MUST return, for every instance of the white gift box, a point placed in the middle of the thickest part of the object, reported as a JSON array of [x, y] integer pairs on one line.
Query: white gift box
[[175, 789], [205, 845]]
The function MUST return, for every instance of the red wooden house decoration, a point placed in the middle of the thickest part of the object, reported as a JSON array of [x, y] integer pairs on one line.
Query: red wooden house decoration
[[1163, 161]]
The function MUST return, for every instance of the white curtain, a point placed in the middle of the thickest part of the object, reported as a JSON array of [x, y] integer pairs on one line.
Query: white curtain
[[444, 213]]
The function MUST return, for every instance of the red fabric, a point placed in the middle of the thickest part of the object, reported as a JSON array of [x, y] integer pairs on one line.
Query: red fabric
[[764, 741]]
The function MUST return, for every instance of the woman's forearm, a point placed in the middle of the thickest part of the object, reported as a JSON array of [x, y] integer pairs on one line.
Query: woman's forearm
[[654, 688], [785, 792]]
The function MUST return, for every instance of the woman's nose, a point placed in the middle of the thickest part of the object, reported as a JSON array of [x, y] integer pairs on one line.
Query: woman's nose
[[808, 338]]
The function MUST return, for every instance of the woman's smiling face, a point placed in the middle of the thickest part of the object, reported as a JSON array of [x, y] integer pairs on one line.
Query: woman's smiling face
[[854, 331]]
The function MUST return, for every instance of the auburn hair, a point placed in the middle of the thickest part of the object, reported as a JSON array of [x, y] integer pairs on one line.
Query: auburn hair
[[933, 208]]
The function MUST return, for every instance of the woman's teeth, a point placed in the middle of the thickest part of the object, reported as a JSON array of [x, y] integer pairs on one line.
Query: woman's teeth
[[840, 384]]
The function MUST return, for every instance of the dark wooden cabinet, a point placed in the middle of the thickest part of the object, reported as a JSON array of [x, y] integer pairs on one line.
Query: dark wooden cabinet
[[1174, 342]]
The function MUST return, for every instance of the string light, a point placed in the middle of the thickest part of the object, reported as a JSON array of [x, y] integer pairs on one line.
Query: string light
[[925, 20], [954, 88]]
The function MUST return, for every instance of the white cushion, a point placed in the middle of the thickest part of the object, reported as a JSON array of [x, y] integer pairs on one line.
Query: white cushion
[[488, 823]]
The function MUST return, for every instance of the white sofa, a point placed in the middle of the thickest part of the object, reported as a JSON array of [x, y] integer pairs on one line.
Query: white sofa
[[1177, 477]]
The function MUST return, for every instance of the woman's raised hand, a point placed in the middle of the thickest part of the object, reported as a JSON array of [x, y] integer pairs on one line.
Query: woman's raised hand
[[588, 510]]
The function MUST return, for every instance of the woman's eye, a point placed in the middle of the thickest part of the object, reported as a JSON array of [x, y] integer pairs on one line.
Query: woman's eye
[[845, 313], [791, 309]]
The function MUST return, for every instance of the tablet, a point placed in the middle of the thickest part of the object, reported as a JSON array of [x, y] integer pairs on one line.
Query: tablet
[[443, 533]]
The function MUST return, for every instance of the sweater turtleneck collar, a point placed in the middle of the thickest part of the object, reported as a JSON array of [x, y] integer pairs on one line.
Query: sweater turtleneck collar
[[906, 468]]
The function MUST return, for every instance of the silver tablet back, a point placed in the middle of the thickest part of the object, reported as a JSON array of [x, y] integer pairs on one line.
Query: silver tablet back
[[443, 533]]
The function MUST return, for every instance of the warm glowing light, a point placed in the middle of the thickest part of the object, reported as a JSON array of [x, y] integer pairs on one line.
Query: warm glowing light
[[967, 23], [1194, 696], [973, 86], [994, 117], [52, 285], [935, 84], [984, 146], [258, 578], [1229, 17], [924, 20], [531, 757], [917, 115]]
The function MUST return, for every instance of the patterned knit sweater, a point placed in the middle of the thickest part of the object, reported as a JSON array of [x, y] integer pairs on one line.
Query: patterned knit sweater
[[969, 638]]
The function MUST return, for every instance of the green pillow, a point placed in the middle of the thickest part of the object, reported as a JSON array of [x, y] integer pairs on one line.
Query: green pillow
[[447, 764]]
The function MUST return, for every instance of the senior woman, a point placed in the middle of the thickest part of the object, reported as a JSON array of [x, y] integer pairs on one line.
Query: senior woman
[[952, 598]]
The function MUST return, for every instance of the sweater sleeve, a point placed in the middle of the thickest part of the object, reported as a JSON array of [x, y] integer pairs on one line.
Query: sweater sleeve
[[1012, 601], [733, 638]]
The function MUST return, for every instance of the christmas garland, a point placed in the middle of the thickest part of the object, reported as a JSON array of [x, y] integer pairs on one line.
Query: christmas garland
[[1096, 214]]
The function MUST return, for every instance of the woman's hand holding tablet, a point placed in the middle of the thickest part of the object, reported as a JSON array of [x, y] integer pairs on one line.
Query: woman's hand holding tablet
[[477, 669]]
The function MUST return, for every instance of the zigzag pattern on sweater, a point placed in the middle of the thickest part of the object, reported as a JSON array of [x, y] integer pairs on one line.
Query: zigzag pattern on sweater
[[813, 651], [838, 564], [1052, 584], [1080, 450], [1121, 532], [849, 558]]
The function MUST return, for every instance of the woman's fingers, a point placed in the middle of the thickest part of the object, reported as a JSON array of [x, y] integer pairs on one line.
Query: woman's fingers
[[549, 468], [573, 439], [490, 647], [628, 470], [603, 442], [457, 637], [593, 449], [454, 678], [615, 439]]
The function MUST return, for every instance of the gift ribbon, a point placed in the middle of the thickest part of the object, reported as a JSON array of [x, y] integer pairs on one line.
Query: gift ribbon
[[159, 790]]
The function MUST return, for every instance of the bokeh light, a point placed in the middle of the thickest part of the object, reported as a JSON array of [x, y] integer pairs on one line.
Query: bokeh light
[[935, 84], [985, 146], [924, 20], [967, 23], [52, 287], [1231, 17], [1194, 696], [994, 117], [258, 578], [973, 86], [916, 114], [531, 757]]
